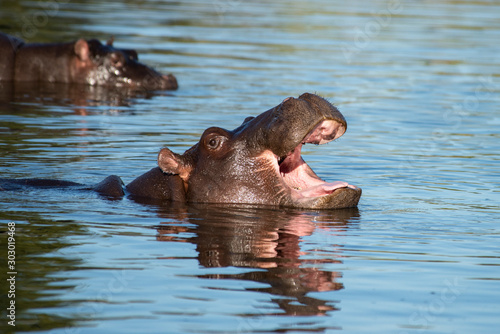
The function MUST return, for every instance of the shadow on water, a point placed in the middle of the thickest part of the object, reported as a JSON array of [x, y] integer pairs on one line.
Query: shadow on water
[[267, 240]]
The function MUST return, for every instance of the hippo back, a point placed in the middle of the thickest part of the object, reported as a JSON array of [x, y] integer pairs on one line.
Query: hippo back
[[8, 48]]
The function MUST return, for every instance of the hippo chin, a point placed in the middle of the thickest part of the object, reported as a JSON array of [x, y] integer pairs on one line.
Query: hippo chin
[[83, 62], [257, 163]]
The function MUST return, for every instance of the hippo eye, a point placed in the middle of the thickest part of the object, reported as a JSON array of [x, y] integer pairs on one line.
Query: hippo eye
[[117, 60], [214, 139], [214, 143]]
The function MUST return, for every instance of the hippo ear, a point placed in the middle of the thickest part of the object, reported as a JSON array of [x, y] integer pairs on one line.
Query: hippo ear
[[173, 163], [248, 119], [82, 49]]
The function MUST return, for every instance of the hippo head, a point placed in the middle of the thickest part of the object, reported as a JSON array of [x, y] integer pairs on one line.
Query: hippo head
[[106, 65], [260, 161]]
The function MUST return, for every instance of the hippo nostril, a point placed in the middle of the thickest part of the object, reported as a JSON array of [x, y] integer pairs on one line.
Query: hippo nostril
[[170, 81], [287, 99]]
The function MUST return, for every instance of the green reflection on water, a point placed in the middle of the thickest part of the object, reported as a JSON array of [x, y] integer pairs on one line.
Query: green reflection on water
[[38, 262]]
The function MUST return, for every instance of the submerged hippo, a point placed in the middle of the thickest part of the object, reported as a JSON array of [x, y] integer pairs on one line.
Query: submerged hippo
[[257, 163], [83, 62]]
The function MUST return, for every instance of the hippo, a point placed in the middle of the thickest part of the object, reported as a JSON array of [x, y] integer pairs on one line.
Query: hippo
[[258, 163], [82, 62], [8, 48]]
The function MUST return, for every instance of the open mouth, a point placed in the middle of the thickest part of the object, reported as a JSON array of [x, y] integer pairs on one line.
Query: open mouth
[[297, 174]]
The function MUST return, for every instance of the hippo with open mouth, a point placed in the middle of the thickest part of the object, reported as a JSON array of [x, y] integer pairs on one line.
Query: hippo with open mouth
[[257, 163]]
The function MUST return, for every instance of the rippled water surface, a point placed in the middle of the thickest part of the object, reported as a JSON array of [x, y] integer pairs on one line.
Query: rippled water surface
[[418, 82]]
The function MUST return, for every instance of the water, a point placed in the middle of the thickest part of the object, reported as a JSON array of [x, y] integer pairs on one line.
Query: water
[[419, 86]]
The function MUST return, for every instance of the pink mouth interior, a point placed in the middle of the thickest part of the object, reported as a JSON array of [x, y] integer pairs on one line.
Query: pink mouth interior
[[297, 174]]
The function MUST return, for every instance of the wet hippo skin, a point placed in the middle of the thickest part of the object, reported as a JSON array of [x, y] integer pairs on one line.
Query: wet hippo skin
[[84, 62], [259, 163]]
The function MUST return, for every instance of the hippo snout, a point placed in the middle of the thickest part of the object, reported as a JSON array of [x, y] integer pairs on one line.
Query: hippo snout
[[169, 81]]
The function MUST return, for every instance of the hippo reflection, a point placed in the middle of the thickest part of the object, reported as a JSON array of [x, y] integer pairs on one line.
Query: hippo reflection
[[82, 99], [257, 163], [83, 61], [267, 240]]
